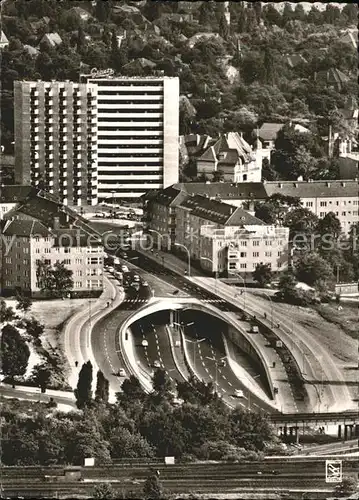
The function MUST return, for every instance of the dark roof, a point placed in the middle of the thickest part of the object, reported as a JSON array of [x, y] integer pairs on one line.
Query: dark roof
[[226, 190], [294, 60], [217, 212], [314, 189], [15, 193], [333, 75], [169, 197], [18, 227]]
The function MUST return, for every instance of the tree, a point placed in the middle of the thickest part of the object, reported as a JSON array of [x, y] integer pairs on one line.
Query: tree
[[131, 390], [23, 303], [329, 226], [83, 392], [287, 282], [102, 388], [6, 313], [33, 327], [262, 274], [15, 352], [348, 486], [42, 376], [218, 175], [301, 222], [269, 67], [152, 488], [54, 281], [104, 491], [162, 384], [102, 10], [313, 270]]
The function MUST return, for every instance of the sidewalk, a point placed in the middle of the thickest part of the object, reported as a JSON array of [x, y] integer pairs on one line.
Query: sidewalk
[[77, 333]]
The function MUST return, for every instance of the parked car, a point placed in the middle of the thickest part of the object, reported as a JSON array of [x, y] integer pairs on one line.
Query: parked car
[[121, 372], [156, 364], [124, 269], [238, 393]]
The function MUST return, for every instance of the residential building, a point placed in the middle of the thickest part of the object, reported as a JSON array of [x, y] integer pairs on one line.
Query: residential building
[[92, 141], [4, 42], [321, 197], [160, 214], [267, 135], [332, 78], [55, 139], [10, 196], [233, 157], [52, 40], [227, 239], [294, 60], [26, 242], [137, 143]]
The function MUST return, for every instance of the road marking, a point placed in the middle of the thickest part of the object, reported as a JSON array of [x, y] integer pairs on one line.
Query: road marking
[[229, 383]]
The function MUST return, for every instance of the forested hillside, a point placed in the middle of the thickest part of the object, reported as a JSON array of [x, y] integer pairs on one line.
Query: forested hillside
[[263, 65]]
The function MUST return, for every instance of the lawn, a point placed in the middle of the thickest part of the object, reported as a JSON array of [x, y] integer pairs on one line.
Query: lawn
[[346, 318]]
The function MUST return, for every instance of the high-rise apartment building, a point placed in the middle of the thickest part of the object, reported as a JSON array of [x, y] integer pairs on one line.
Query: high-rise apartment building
[[55, 139], [103, 139]]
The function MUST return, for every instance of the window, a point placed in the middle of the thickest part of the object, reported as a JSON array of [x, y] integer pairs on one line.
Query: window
[[47, 250], [25, 250], [8, 283], [268, 254], [279, 254], [322, 214], [93, 260], [91, 272], [26, 273], [18, 244], [78, 273], [18, 267], [243, 254], [268, 243], [78, 284], [67, 250], [323, 203], [243, 266], [309, 204], [47, 261], [78, 261], [8, 260], [67, 261], [37, 250], [232, 265], [256, 243], [255, 254], [344, 214], [243, 243]]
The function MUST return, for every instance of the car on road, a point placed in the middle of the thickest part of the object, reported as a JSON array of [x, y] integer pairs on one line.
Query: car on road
[[136, 278], [111, 269], [144, 283], [124, 255], [238, 393], [176, 292], [156, 364], [124, 269], [254, 329], [121, 372]]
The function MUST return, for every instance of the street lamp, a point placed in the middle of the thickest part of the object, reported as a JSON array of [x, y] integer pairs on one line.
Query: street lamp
[[244, 290], [271, 302], [216, 272], [218, 362], [113, 203], [189, 256], [161, 236]]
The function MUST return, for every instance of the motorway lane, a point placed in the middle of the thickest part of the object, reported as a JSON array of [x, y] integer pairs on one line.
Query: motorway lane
[[319, 360], [32, 395]]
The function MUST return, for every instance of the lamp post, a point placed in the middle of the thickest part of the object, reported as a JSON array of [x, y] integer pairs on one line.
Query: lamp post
[[188, 254], [216, 272], [244, 290], [271, 302], [217, 362], [113, 203]]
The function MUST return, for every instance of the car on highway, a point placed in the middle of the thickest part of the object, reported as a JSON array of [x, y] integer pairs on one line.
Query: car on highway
[[124, 269], [144, 283], [136, 277], [156, 364], [254, 329], [238, 393], [121, 372]]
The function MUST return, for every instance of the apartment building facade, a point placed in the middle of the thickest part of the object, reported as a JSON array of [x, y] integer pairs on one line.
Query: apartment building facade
[[96, 140], [55, 139], [138, 133], [26, 242], [227, 239]]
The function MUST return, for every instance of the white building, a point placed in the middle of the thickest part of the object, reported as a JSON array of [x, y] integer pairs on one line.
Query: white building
[[137, 134], [104, 138]]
